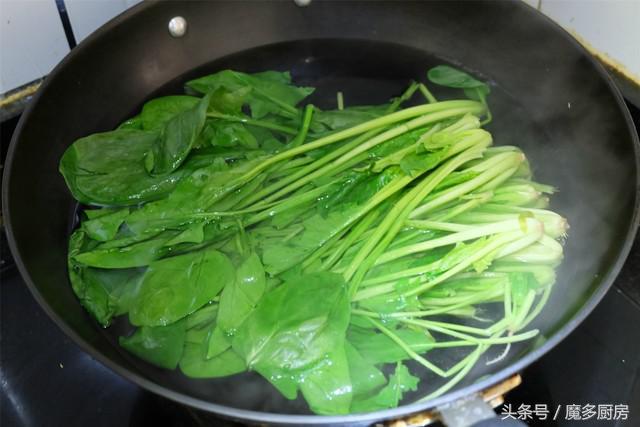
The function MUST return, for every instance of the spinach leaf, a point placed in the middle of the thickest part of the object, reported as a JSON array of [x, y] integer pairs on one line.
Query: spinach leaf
[[200, 323], [177, 137], [229, 101], [177, 286], [415, 164], [392, 302], [220, 133], [271, 92], [348, 117], [399, 383], [103, 293], [105, 227], [94, 299], [365, 377], [445, 75], [138, 254], [327, 386], [237, 301], [108, 169], [121, 285], [159, 111], [194, 364], [159, 345], [134, 122], [279, 255], [194, 194], [193, 233], [378, 348], [278, 341]]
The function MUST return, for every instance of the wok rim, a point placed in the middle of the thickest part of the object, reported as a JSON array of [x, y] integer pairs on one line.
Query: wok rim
[[399, 412]]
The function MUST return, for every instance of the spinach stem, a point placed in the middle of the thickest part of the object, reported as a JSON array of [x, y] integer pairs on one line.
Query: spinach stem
[[472, 107], [349, 240], [390, 226], [362, 148], [415, 356], [427, 93], [260, 195], [498, 164], [254, 122], [406, 95], [474, 233], [470, 361], [306, 122]]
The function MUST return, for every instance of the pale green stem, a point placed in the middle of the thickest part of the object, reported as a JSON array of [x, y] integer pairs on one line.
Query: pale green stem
[[466, 187], [474, 233], [426, 93]]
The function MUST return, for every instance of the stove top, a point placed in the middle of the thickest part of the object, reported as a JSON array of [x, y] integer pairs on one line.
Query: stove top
[[45, 379]]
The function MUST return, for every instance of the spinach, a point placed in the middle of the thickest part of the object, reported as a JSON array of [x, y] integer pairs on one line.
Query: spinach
[[138, 254], [348, 117], [194, 364], [238, 231], [229, 134], [390, 395], [445, 75], [108, 169], [105, 227], [270, 92], [365, 377], [237, 300], [177, 286], [104, 293], [279, 255], [159, 111], [378, 348], [177, 136], [279, 342], [327, 385], [159, 345], [134, 122]]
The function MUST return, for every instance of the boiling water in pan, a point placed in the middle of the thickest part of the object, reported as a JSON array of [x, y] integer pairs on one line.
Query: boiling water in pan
[[371, 73]]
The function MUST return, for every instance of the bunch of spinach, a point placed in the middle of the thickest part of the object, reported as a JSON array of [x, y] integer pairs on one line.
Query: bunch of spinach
[[327, 250]]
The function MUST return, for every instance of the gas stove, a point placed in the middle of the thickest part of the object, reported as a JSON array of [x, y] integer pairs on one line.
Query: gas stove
[[45, 379]]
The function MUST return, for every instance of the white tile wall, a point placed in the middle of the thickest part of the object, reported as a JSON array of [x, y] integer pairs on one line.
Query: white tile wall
[[86, 16], [610, 26], [32, 41]]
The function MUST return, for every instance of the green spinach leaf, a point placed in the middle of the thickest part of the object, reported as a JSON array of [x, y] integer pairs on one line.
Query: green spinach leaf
[[327, 386], [159, 345], [194, 364], [399, 383], [108, 169], [174, 287], [271, 92], [237, 301], [278, 342], [177, 137], [445, 75], [378, 348], [159, 111], [365, 377]]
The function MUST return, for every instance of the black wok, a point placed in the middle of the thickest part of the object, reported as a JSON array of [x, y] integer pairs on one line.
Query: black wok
[[549, 97]]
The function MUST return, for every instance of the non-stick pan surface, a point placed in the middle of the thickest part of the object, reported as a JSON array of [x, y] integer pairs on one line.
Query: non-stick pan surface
[[548, 97]]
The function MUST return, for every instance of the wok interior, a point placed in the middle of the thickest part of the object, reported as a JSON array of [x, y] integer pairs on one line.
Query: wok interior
[[356, 69], [582, 148]]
